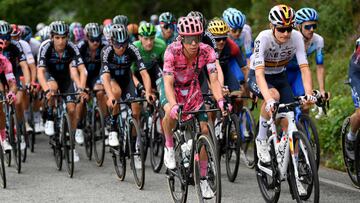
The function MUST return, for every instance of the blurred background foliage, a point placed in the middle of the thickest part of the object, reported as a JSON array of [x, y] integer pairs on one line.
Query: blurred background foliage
[[339, 24]]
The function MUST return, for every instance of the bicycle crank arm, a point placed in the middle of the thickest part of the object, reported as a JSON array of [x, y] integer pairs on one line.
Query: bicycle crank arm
[[264, 169]]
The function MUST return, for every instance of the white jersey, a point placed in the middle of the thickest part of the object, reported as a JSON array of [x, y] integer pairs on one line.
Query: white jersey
[[27, 51], [273, 56], [35, 46]]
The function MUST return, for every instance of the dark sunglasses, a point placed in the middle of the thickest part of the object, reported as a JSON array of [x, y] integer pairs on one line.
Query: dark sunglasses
[[94, 39], [236, 30], [190, 39], [118, 45], [284, 29], [308, 27], [5, 37], [168, 25], [221, 39]]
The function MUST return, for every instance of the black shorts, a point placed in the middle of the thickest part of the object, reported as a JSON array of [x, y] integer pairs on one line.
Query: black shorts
[[278, 81], [92, 81], [64, 86], [128, 90]]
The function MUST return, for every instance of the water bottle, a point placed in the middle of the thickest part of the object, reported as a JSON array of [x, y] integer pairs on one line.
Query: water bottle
[[158, 126], [218, 126], [150, 122], [184, 150]]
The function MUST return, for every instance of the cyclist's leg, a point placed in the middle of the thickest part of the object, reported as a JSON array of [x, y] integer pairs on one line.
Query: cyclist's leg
[[113, 135], [49, 124], [100, 97], [355, 117], [203, 118]]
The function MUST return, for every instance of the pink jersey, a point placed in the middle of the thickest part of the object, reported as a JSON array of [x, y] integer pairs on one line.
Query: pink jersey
[[187, 87], [6, 68]]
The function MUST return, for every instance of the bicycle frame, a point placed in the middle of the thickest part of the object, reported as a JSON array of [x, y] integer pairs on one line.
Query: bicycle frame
[[289, 150]]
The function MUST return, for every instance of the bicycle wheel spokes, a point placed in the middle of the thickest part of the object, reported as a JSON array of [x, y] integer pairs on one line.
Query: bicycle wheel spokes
[[312, 134], [119, 160], [136, 154], [207, 170], [98, 137], [156, 146], [307, 182], [232, 155]]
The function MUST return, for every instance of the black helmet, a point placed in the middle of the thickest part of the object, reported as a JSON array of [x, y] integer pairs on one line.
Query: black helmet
[[121, 19], [119, 33]]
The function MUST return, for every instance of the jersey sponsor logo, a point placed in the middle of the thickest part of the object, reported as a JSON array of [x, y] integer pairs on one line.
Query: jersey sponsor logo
[[105, 54], [136, 51]]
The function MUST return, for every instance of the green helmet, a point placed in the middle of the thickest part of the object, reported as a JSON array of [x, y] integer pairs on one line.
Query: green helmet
[[147, 30]]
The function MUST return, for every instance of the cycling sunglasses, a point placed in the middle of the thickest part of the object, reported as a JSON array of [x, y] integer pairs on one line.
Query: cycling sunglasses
[[284, 29], [190, 39], [5, 37], [95, 39], [238, 30], [168, 25], [221, 39], [308, 27], [119, 45]]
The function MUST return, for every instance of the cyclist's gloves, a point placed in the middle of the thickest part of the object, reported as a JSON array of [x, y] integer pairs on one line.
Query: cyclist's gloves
[[11, 96], [224, 105], [174, 111], [270, 104]]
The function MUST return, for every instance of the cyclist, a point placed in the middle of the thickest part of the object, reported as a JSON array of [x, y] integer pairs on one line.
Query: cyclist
[[120, 19], [306, 20], [76, 32], [107, 21], [7, 73], [43, 34], [152, 51], [240, 32], [26, 34], [106, 37], [154, 19], [116, 60], [166, 29], [267, 78], [354, 78], [60, 67], [16, 56], [133, 31], [90, 50], [183, 61], [15, 35]]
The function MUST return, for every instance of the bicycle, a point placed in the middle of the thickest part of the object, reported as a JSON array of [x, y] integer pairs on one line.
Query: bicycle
[[291, 158], [2, 163], [14, 130], [63, 141], [127, 128], [186, 133]]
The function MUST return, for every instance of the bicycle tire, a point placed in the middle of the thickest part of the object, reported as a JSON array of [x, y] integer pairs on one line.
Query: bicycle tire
[[98, 136], [349, 161], [11, 135], [17, 145], [119, 158], [139, 174], [157, 143], [357, 158], [309, 124], [214, 177], [2, 168], [25, 136], [88, 135], [233, 143], [68, 144], [304, 173]]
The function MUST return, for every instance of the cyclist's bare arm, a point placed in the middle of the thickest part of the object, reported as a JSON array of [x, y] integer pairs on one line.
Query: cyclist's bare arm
[[306, 78], [42, 79], [26, 71], [169, 89]]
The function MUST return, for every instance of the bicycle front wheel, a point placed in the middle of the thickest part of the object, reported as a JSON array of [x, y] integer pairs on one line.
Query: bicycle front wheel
[[157, 142], [233, 141], [311, 132], [247, 128], [137, 155], [210, 175], [98, 136], [68, 144], [307, 182]]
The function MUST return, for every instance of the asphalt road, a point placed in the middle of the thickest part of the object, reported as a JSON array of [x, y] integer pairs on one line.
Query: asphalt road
[[41, 182]]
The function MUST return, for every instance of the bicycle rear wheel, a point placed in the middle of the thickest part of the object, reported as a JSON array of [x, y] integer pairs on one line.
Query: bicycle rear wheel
[[87, 119], [68, 144], [2, 168], [17, 145], [136, 154], [213, 174], [119, 157], [232, 154], [98, 136], [312, 134], [307, 171], [247, 138], [349, 159], [270, 185], [157, 142]]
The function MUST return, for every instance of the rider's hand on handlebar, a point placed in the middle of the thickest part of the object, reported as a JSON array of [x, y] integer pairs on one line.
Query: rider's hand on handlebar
[[48, 94], [224, 106], [270, 105], [11, 96], [174, 111], [150, 97]]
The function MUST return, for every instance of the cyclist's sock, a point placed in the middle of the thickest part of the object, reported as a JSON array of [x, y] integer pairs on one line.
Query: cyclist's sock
[[113, 122], [50, 115], [351, 136], [2, 135], [263, 127], [80, 125], [203, 168], [37, 116], [169, 141], [27, 115]]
